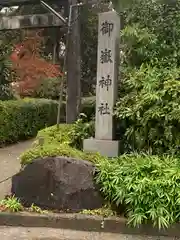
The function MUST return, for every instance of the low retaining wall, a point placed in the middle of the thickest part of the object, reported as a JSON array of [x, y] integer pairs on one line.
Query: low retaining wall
[[81, 222]]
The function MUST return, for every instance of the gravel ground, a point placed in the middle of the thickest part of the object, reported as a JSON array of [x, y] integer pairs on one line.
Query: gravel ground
[[10, 164], [19, 233]]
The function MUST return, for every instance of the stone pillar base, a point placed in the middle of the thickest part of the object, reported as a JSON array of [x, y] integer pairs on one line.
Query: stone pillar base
[[107, 148]]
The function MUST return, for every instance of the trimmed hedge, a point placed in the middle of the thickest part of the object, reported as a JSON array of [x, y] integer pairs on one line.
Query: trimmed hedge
[[22, 119]]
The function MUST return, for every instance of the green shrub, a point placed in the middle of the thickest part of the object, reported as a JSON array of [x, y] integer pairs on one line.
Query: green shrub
[[54, 135], [88, 107], [148, 104], [6, 92], [56, 142], [82, 129], [148, 186], [22, 119], [151, 110], [49, 88], [153, 39]]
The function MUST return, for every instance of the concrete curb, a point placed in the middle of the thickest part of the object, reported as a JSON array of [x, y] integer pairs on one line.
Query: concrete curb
[[81, 222]]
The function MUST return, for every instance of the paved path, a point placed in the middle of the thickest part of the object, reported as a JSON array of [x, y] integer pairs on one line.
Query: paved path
[[10, 164], [19, 233]]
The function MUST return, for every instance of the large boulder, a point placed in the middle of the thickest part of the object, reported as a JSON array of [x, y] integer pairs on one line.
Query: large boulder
[[58, 183]]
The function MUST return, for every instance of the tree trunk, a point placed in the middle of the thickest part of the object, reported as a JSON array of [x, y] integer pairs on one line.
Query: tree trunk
[[73, 67]]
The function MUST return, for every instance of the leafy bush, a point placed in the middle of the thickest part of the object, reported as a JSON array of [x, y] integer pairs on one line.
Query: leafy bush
[[49, 88], [22, 119], [153, 39], [89, 31], [82, 129], [54, 135], [148, 187], [6, 92], [148, 105], [151, 109], [88, 107]]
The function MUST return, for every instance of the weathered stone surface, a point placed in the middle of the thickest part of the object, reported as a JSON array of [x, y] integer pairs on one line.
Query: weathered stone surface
[[107, 74], [106, 86], [104, 147], [58, 183]]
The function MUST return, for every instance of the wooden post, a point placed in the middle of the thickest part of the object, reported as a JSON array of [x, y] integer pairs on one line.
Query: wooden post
[[73, 67]]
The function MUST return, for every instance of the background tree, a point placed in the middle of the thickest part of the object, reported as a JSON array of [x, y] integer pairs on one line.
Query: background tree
[[7, 40], [30, 67], [89, 37]]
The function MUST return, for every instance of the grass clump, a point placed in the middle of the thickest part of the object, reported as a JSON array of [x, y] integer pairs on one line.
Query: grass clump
[[11, 204]]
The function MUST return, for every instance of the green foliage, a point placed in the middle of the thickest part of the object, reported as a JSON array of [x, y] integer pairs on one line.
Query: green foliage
[[152, 39], [22, 119], [49, 89], [89, 23], [36, 209], [82, 129], [6, 92], [148, 105], [11, 204], [121, 5], [56, 142], [65, 140], [148, 187], [88, 107], [49, 150], [151, 109], [54, 135]]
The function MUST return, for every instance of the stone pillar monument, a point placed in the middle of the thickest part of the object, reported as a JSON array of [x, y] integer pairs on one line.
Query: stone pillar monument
[[106, 88]]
